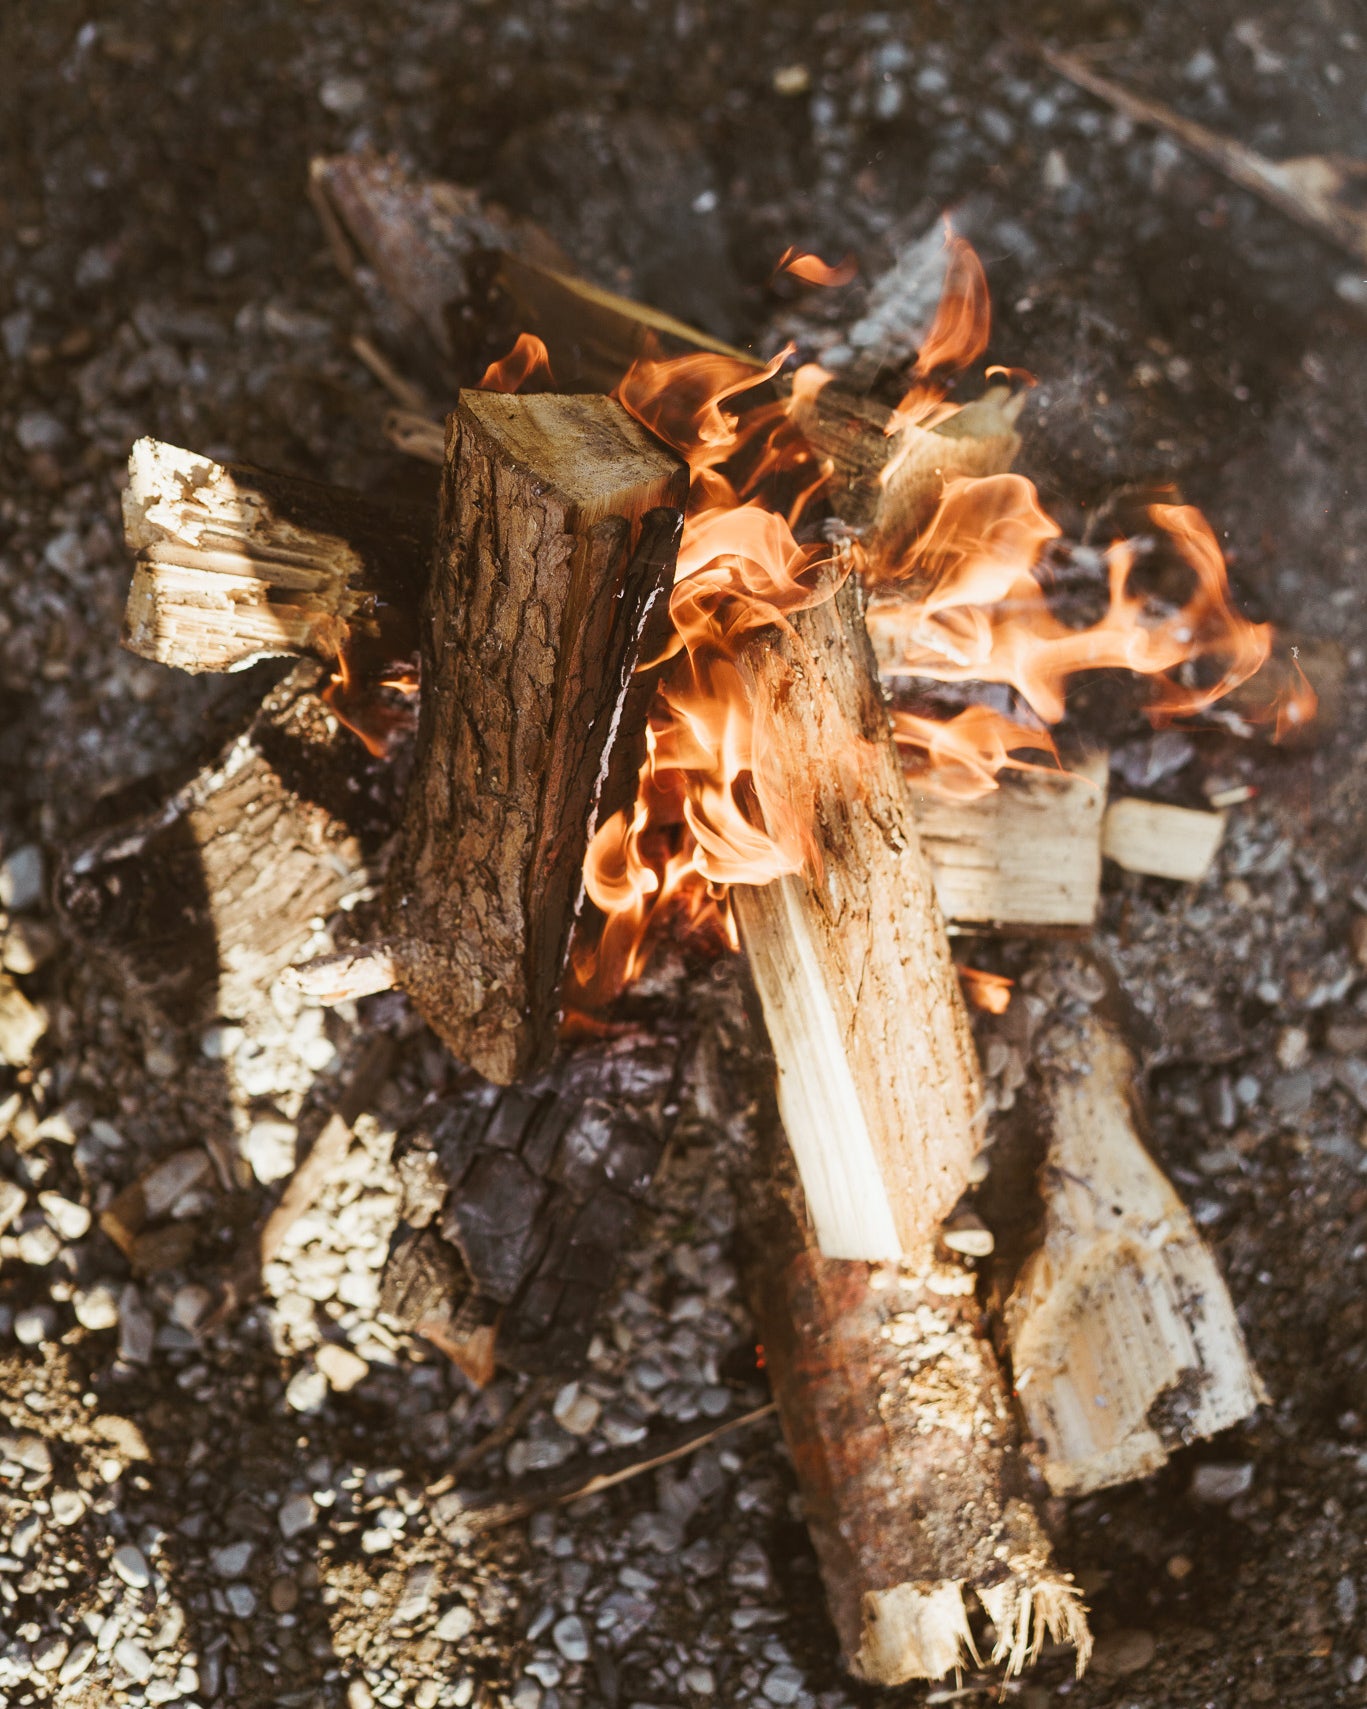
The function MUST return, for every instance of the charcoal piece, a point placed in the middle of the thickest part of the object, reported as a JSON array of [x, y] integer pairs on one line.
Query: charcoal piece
[[526, 1199]]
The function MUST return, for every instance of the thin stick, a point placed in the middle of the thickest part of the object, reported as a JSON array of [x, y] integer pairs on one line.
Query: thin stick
[[1315, 190], [503, 1432], [469, 1519], [404, 393]]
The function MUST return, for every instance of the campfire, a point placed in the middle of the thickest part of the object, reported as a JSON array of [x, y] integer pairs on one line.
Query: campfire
[[692, 649]]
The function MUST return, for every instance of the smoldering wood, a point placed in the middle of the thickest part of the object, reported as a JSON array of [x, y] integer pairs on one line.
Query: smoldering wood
[[559, 526], [235, 564], [906, 1450], [1124, 1341], [197, 902], [519, 1202], [878, 1083]]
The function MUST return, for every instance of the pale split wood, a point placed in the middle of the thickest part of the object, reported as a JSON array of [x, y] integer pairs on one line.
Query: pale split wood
[[1124, 1341], [1164, 841], [878, 1083], [1027, 855], [235, 564]]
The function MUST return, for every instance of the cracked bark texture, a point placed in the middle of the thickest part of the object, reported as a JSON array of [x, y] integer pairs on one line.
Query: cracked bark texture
[[878, 1081], [559, 525]]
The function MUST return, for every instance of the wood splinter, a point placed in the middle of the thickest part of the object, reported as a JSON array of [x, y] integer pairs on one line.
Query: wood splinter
[[559, 525]]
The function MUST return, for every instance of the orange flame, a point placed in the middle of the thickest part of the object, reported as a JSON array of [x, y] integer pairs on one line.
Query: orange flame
[[378, 712], [990, 992], [1295, 705], [812, 270], [528, 359]]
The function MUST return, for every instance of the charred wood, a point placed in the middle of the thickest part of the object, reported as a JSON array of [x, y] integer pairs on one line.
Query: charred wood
[[518, 1203]]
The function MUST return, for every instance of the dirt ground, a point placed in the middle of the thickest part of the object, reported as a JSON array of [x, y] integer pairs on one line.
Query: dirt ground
[[198, 1519]]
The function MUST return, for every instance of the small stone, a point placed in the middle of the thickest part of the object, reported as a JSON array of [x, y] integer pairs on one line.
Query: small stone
[[418, 1589], [968, 1234], [526, 1694], [71, 1221], [175, 1176], [426, 1695], [133, 1660], [50, 1652], [376, 1540], [96, 1307], [700, 1681], [68, 1507], [1291, 1095], [269, 1148], [12, 1202], [79, 1658], [1129, 1650], [131, 1565], [792, 80], [21, 879], [38, 1246], [22, 1025], [1179, 1567], [575, 1410], [189, 1306], [571, 1639], [232, 1560], [28, 946], [297, 1513], [1218, 1483], [34, 1325], [241, 1599], [782, 1684], [749, 1570], [342, 1368], [1357, 939], [307, 1391], [137, 1327], [1293, 1046], [284, 1594], [36, 430], [344, 96], [65, 553], [455, 1625]]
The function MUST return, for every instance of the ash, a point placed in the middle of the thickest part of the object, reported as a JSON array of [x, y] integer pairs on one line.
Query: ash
[[248, 1516]]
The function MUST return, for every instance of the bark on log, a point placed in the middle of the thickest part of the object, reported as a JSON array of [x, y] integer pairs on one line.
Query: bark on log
[[1124, 1341], [518, 1203], [877, 1080], [560, 521], [235, 564], [200, 901], [907, 1454]]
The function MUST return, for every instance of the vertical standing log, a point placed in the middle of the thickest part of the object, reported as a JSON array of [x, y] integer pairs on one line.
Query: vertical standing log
[[559, 523], [877, 1080]]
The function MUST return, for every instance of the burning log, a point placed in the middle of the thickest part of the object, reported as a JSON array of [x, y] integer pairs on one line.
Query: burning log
[[560, 521], [235, 564], [1027, 856], [1124, 1341], [199, 902], [518, 1203], [877, 1080], [906, 1450]]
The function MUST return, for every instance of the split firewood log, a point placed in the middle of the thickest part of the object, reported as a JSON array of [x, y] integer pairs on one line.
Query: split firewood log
[[1164, 841], [1124, 1341], [518, 1203], [906, 1449], [559, 526], [235, 564], [877, 1078], [197, 902]]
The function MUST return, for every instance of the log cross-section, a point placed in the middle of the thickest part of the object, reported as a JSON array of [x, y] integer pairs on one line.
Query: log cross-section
[[559, 525], [877, 1080]]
